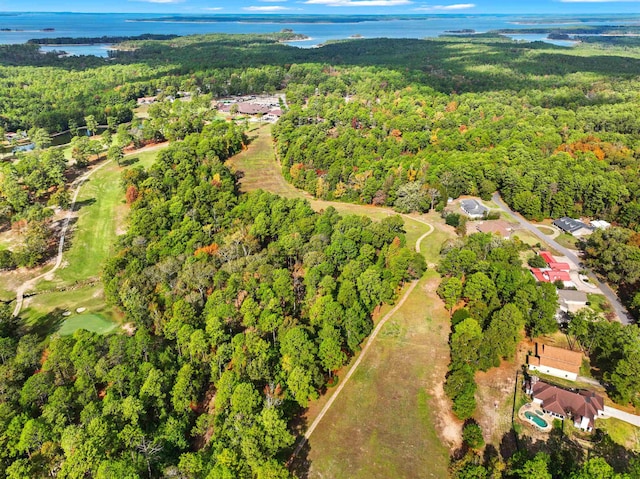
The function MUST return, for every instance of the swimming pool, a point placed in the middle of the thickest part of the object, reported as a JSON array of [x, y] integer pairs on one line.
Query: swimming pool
[[536, 419]]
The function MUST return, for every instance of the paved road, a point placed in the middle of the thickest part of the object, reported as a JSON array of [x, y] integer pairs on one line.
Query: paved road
[[620, 310], [370, 341], [623, 416]]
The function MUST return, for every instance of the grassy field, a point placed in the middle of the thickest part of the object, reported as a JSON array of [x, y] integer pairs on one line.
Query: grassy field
[[567, 240], [547, 230], [599, 303], [621, 433], [392, 419], [91, 322], [385, 422], [101, 212]]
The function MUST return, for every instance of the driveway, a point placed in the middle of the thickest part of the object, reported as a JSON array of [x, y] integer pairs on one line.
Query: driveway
[[623, 416], [620, 310]]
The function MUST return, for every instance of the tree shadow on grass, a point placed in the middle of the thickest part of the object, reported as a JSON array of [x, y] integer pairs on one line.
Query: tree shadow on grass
[[48, 324], [300, 465], [83, 203], [129, 160]]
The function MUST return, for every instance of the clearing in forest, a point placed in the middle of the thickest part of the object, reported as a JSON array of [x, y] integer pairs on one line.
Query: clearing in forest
[[392, 419], [99, 217]]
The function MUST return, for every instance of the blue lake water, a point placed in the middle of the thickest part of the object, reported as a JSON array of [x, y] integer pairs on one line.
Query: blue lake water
[[24, 26]]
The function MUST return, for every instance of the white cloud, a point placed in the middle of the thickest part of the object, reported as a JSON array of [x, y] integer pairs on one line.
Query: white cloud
[[212, 9], [447, 8], [265, 8], [359, 3]]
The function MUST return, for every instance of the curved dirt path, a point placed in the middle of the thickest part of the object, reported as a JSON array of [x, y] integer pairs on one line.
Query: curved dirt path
[[78, 182], [363, 353]]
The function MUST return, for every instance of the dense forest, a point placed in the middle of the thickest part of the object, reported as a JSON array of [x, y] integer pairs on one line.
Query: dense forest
[[500, 298], [243, 306]]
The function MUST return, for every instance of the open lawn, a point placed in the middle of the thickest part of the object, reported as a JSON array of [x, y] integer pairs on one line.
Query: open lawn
[[91, 322], [392, 419], [547, 230], [385, 422], [567, 240], [621, 433], [599, 303], [44, 311], [101, 212]]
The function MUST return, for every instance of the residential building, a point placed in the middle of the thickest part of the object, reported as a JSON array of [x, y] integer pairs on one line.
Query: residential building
[[474, 209], [554, 361], [498, 227], [583, 406], [574, 227], [555, 271], [147, 100], [572, 301]]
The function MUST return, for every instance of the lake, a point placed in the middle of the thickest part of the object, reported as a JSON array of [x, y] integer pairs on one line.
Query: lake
[[21, 27]]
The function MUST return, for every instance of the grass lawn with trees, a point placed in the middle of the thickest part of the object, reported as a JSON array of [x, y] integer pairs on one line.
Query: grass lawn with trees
[[387, 418], [101, 213], [386, 414]]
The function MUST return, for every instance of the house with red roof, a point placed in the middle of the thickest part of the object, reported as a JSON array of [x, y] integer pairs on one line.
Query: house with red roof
[[582, 406], [554, 271]]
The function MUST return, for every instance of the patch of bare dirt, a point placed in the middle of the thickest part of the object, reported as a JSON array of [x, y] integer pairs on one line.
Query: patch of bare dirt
[[129, 329], [495, 396], [448, 426]]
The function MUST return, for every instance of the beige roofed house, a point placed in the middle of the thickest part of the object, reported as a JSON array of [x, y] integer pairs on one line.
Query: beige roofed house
[[499, 227], [572, 301], [557, 362]]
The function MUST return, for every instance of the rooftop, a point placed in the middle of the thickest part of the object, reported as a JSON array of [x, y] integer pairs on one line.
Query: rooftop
[[583, 406], [570, 295], [499, 227], [557, 358], [570, 225], [474, 207]]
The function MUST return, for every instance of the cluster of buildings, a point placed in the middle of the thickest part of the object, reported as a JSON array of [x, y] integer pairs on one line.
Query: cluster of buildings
[[267, 107], [554, 271], [578, 228], [582, 406]]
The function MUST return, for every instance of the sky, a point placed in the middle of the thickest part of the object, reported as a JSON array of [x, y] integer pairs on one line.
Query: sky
[[327, 6]]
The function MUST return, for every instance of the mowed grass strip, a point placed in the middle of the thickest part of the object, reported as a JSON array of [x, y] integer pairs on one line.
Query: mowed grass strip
[[101, 212], [383, 424]]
